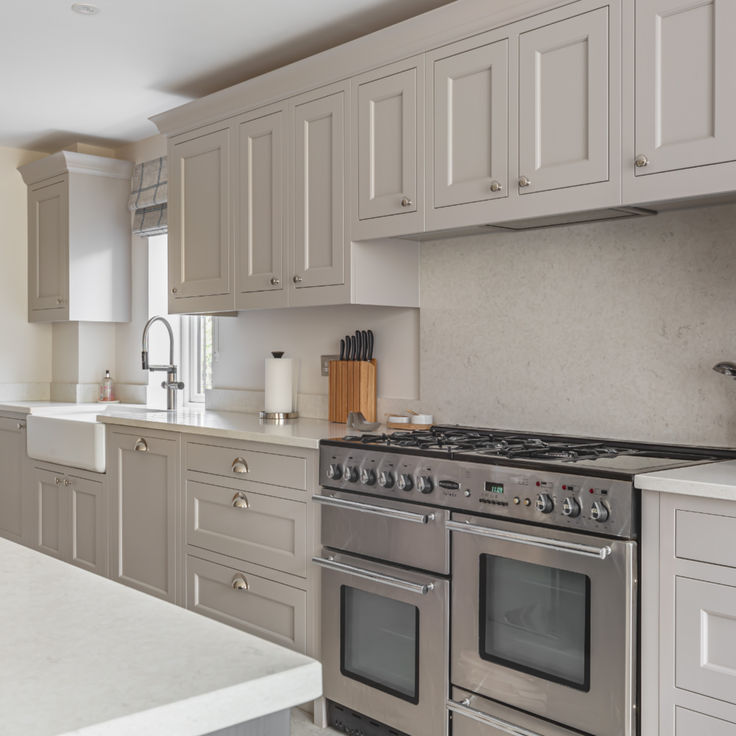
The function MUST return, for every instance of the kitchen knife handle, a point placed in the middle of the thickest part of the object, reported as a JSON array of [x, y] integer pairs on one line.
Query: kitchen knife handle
[[369, 349], [358, 345], [342, 349]]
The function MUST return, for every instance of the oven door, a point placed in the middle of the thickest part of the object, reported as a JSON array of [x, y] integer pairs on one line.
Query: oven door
[[545, 621], [384, 642]]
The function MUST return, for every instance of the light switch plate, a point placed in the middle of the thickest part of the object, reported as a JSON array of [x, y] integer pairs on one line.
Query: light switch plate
[[325, 363]]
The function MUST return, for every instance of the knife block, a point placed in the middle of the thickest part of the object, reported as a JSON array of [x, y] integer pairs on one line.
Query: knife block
[[352, 388]]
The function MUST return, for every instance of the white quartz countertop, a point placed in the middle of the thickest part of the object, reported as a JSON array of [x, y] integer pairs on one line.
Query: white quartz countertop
[[83, 655], [713, 480]]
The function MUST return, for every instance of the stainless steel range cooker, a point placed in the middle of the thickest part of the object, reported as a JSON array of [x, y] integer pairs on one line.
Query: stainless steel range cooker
[[482, 582]]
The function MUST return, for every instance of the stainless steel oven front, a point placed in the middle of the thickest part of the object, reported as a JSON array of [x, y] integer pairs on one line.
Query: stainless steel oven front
[[544, 621]]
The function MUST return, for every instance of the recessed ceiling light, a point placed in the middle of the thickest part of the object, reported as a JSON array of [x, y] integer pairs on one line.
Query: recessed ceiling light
[[85, 9]]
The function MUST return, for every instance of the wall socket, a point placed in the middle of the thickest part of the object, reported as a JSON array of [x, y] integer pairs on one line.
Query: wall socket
[[325, 363]]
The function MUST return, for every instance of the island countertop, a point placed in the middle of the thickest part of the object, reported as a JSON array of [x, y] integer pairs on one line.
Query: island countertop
[[84, 655]]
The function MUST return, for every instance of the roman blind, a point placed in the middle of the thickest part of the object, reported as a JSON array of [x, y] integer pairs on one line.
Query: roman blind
[[148, 197]]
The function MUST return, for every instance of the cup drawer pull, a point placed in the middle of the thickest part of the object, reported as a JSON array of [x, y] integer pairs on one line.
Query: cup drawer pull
[[240, 583], [240, 501], [239, 465], [140, 445]]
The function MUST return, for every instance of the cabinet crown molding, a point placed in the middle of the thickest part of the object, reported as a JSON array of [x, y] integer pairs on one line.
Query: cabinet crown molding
[[70, 162]]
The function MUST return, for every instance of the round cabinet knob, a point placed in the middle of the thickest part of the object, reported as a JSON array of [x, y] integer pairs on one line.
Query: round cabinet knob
[[368, 477], [386, 479], [599, 512], [544, 503], [424, 484], [297, 279], [641, 161], [174, 290], [406, 202], [58, 481], [496, 186], [351, 474], [570, 507], [275, 281], [240, 501], [240, 583], [334, 471], [524, 181], [405, 482], [59, 300]]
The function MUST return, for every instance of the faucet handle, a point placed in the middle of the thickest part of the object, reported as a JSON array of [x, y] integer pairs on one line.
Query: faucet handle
[[173, 384]]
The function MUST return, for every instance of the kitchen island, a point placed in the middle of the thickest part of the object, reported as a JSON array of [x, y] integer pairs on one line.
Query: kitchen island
[[83, 655]]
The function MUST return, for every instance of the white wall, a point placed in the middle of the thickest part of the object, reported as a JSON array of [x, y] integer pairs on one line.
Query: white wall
[[605, 329], [25, 356]]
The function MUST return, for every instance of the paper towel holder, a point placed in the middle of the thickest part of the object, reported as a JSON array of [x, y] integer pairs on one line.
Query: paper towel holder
[[277, 417]]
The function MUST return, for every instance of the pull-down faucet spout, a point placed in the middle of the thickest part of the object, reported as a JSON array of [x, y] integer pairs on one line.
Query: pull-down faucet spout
[[170, 384]]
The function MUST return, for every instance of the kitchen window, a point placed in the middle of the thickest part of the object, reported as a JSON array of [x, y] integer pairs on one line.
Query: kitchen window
[[200, 336]]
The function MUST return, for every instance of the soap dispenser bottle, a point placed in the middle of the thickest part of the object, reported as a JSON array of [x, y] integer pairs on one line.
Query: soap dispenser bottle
[[106, 392]]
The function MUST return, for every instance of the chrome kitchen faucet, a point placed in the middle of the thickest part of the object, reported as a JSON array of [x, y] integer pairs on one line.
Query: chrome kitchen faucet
[[170, 384]]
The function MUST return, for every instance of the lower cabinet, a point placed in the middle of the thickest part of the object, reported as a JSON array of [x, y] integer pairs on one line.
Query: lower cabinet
[[12, 459], [70, 517], [688, 616], [145, 511]]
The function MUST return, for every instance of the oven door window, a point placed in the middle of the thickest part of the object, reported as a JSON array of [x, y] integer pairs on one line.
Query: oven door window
[[535, 619], [379, 642]]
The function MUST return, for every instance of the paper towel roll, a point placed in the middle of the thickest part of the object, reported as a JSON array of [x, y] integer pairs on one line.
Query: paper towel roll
[[280, 385]]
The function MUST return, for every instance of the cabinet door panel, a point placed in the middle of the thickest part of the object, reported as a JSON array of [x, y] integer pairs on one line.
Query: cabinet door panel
[[387, 145], [12, 453], [50, 531], [685, 87], [690, 723], [261, 204], [563, 103], [48, 247], [471, 125], [88, 525], [319, 187], [199, 228]]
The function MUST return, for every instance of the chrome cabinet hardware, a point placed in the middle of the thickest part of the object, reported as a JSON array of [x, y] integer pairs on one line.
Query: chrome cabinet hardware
[[367, 508], [140, 445], [174, 290], [240, 501], [275, 281], [464, 709], [406, 202], [59, 300], [525, 181], [297, 279], [553, 544], [641, 161], [394, 582], [240, 583], [20, 426], [67, 482], [58, 481], [240, 466], [496, 186]]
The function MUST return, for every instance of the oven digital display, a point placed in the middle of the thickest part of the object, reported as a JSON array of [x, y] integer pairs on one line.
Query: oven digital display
[[493, 487]]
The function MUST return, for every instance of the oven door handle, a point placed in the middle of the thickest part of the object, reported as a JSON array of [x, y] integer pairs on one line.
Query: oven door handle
[[421, 588], [368, 508], [477, 715], [556, 544]]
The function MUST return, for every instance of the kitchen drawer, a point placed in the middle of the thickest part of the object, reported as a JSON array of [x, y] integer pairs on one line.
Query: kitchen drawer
[[271, 610], [691, 723], [705, 537], [705, 638], [262, 529], [246, 464]]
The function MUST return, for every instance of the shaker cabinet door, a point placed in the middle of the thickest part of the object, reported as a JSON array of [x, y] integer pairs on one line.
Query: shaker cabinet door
[[50, 505], [13, 501], [685, 84], [261, 204], [199, 223], [564, 103], [89, 538], [319, 192], [471, 111]]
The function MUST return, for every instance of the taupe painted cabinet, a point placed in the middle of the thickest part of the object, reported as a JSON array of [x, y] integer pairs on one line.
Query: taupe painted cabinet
[[75, 203], [145, 510], [69, 510], [688, 616], [14, 510]]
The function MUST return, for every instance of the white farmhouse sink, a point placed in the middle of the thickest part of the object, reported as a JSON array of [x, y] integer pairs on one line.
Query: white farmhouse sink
[[72, 435]]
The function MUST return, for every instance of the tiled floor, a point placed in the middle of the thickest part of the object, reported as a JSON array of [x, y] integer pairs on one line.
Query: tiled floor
[[301, 725]]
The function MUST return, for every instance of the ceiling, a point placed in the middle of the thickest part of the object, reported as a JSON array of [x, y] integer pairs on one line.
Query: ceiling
[[70, 78]]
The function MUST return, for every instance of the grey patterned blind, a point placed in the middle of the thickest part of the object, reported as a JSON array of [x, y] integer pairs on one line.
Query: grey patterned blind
[[148, 197]]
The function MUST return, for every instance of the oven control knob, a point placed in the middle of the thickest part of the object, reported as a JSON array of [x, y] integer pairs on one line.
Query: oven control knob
[[599, 512], [405, 482], [351, 473], [570, 507], [544, 503], [386, 479], [368, 477], [334, 471], [424, 484]]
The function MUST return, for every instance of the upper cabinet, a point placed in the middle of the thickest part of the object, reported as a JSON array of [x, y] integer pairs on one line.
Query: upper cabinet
[[684, 99], [78, 238], [388, 139]]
